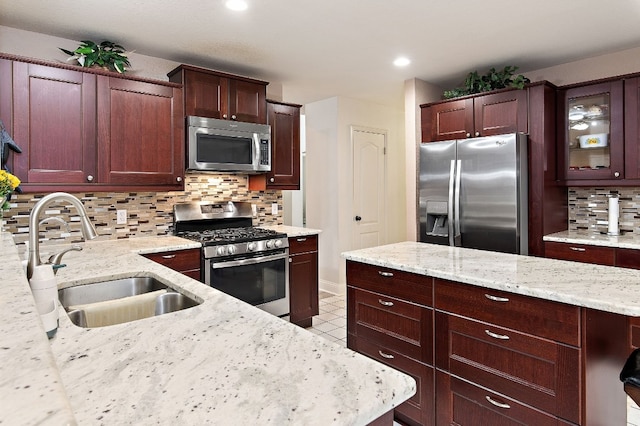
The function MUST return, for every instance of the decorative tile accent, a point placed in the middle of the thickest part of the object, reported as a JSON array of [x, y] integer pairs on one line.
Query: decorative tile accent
[[588, 209], [149, 213]]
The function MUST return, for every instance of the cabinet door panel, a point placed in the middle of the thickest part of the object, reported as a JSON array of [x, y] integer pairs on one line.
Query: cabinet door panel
[[394, 323], [500, 113], [206, 95], [285, 146], [54, 124], [303, 288], [536, 371], [463, 403], [140, 136], [447, 121], [631, 128], [628, 258], [247, 101], [420, 407]]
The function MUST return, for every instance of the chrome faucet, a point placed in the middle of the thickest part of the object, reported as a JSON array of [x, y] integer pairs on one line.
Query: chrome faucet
[[88, 230]]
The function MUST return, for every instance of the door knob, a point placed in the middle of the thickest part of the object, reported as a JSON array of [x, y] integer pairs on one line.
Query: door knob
[[358, 218]]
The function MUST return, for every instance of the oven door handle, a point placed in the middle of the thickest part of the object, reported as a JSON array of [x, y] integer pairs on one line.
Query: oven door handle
[[248, 261]]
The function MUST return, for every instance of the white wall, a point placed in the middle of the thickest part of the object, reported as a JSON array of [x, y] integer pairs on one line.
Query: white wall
[[330, 177]]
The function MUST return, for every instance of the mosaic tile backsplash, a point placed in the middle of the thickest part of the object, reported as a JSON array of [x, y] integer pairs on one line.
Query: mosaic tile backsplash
[[588, 209], [148, 213]]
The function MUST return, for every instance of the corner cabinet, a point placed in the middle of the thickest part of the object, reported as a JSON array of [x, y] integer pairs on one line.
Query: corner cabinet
[[215, 94], [284, 120], [83, 130], [303, 279]]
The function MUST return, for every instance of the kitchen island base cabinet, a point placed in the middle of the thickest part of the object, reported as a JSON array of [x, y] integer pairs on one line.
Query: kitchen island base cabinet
[[303, 280], [185, 261]]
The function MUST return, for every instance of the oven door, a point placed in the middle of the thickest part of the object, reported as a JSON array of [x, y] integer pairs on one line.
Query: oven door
[[261, 281]]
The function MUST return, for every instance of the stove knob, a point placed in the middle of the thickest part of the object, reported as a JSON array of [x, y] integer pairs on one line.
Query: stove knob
[[221, 251], [278, 243], [231, 249], [270, 244], [251, 246]]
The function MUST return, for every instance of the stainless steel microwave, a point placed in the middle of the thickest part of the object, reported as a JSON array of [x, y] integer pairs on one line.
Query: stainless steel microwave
[[228, 146]]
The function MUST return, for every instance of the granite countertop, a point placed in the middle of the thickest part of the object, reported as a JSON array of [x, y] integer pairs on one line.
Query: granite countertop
[[292, 231], [604, 288], [222, 362], [628, 240]]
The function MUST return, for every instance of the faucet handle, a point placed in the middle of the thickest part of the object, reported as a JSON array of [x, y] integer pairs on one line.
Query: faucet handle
[[55, 259]]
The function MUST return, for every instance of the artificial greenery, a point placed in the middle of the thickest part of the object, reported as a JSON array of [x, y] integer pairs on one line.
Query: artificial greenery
[[105, 55], [492, 80]]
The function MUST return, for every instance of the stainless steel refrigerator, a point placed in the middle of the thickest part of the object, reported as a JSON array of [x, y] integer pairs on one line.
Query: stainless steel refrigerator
[[473, 193]]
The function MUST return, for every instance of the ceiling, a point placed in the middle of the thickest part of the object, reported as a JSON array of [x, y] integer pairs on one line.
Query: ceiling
[[323, 48]]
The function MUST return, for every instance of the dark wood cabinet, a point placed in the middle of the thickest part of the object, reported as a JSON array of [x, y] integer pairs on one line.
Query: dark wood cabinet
[[531, 110], [632, 130], [86, 130], [303, 279], [284, 120], [185, 261], [214, 94], [484, 115], [390, 319], [608, 256]]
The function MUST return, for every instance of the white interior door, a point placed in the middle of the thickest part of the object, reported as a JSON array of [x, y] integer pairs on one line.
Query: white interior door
[[369, 194]]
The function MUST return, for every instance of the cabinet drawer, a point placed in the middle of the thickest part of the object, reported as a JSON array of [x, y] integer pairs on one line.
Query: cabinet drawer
[[179, 260], [405, 285], [536, 371], [628, 258], [464, 403], [303, 244], [419, 408], [580, 253], [544, 318], [398, 325]]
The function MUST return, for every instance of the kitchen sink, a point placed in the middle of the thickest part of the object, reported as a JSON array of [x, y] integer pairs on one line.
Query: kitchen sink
[[118, 301]]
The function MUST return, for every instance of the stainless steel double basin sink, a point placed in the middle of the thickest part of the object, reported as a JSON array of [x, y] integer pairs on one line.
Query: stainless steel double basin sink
[[118, 301]]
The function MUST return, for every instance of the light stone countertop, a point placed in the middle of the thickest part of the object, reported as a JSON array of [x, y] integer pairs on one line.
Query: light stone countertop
[[292, 231], [222, 362], [629, 240], [604, 288]]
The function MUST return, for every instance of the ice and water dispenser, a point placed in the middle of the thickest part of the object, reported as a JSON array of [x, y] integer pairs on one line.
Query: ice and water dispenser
[[437, 225]]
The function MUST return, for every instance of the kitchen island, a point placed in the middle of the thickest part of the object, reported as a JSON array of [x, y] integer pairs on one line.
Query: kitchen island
[[221, 362], [522, 336]]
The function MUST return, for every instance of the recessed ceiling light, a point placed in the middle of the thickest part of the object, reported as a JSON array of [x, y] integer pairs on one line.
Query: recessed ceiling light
[[236, 4], [401, 62]]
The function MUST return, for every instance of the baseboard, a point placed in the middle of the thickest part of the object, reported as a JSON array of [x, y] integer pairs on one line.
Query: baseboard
[[330, 287]]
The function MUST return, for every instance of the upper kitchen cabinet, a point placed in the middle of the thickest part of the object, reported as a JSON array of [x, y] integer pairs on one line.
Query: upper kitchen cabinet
[[215, 94], [484, 115], [591, 138], [632, 129], [284, 120], [87, 130]]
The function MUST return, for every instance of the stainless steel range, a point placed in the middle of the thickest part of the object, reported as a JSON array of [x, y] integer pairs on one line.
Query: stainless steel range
[[246, 262]]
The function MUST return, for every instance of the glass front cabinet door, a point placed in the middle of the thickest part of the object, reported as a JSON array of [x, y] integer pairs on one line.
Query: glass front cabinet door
[[593, 131]]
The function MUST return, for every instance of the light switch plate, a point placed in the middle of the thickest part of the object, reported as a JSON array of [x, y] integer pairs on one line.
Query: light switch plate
[[121, 217], [274, 209]]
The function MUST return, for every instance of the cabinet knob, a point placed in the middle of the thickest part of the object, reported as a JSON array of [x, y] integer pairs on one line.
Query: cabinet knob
[[179, 179], [89, 178], [224, 116], [477, 134], [272, 180], [617, 174], [468, 135]]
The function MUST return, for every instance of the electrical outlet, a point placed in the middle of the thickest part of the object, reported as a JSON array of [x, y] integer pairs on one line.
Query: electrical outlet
[[121, 217], [254, 210], [274, 209]]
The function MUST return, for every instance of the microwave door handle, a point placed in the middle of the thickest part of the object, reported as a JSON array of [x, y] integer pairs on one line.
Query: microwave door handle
[[256, 150]]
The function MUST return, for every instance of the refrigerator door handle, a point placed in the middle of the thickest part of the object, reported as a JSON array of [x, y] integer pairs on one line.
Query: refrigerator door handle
[[452, 174], [456, 208]]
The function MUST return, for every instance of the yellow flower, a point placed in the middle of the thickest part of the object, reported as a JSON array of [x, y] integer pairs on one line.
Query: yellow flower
[[8, 183]]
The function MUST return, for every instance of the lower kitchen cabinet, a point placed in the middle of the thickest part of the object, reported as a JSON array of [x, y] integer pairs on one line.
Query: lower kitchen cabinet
[[303, 279], [184, 261], [598, 255]]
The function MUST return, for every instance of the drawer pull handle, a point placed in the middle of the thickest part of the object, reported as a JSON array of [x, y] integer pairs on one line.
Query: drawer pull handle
[[496, 336], [496, 298], [385, 274], [387, 356], [168, 256], [497, 404], [385, 303], [577, 249], [301, 240]]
